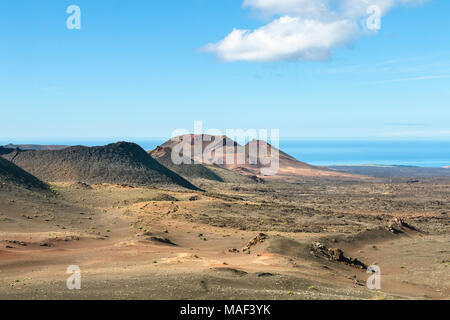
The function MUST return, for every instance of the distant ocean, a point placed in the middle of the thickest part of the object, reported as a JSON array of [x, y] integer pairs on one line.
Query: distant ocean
[[323, 153], [406, 153]]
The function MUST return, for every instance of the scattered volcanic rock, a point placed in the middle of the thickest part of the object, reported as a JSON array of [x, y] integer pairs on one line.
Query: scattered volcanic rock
[[260, 238], [335, 254], [161, 240], [10, 174], [398, 225], [118, 163]]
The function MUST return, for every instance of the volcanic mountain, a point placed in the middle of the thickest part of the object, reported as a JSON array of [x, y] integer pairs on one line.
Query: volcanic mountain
[[200, 148], [35, 147], [255, 158], [118, 163], [189, 171], [4, 150], [10, 174]]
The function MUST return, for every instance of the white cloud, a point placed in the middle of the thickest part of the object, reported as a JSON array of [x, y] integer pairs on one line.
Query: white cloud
[[299, 30], [284, 39]]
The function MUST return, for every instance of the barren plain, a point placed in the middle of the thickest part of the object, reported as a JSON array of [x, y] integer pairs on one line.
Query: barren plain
[[309, 238]]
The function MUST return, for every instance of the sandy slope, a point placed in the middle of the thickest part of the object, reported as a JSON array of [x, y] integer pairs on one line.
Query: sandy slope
[[118, 237]]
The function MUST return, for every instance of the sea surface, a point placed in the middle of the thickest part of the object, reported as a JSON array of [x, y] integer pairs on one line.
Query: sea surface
[[406, 153], [333, 152]]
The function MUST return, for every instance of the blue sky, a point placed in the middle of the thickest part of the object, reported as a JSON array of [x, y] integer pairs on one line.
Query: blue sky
[[138, 69]]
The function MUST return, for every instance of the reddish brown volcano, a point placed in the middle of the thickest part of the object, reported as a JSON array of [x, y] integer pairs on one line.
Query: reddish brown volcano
[[255, 158]]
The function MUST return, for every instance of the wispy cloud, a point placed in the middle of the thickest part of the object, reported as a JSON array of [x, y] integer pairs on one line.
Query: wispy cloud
[[417, 134], [415, 79], [436, 61], [405, 124]]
